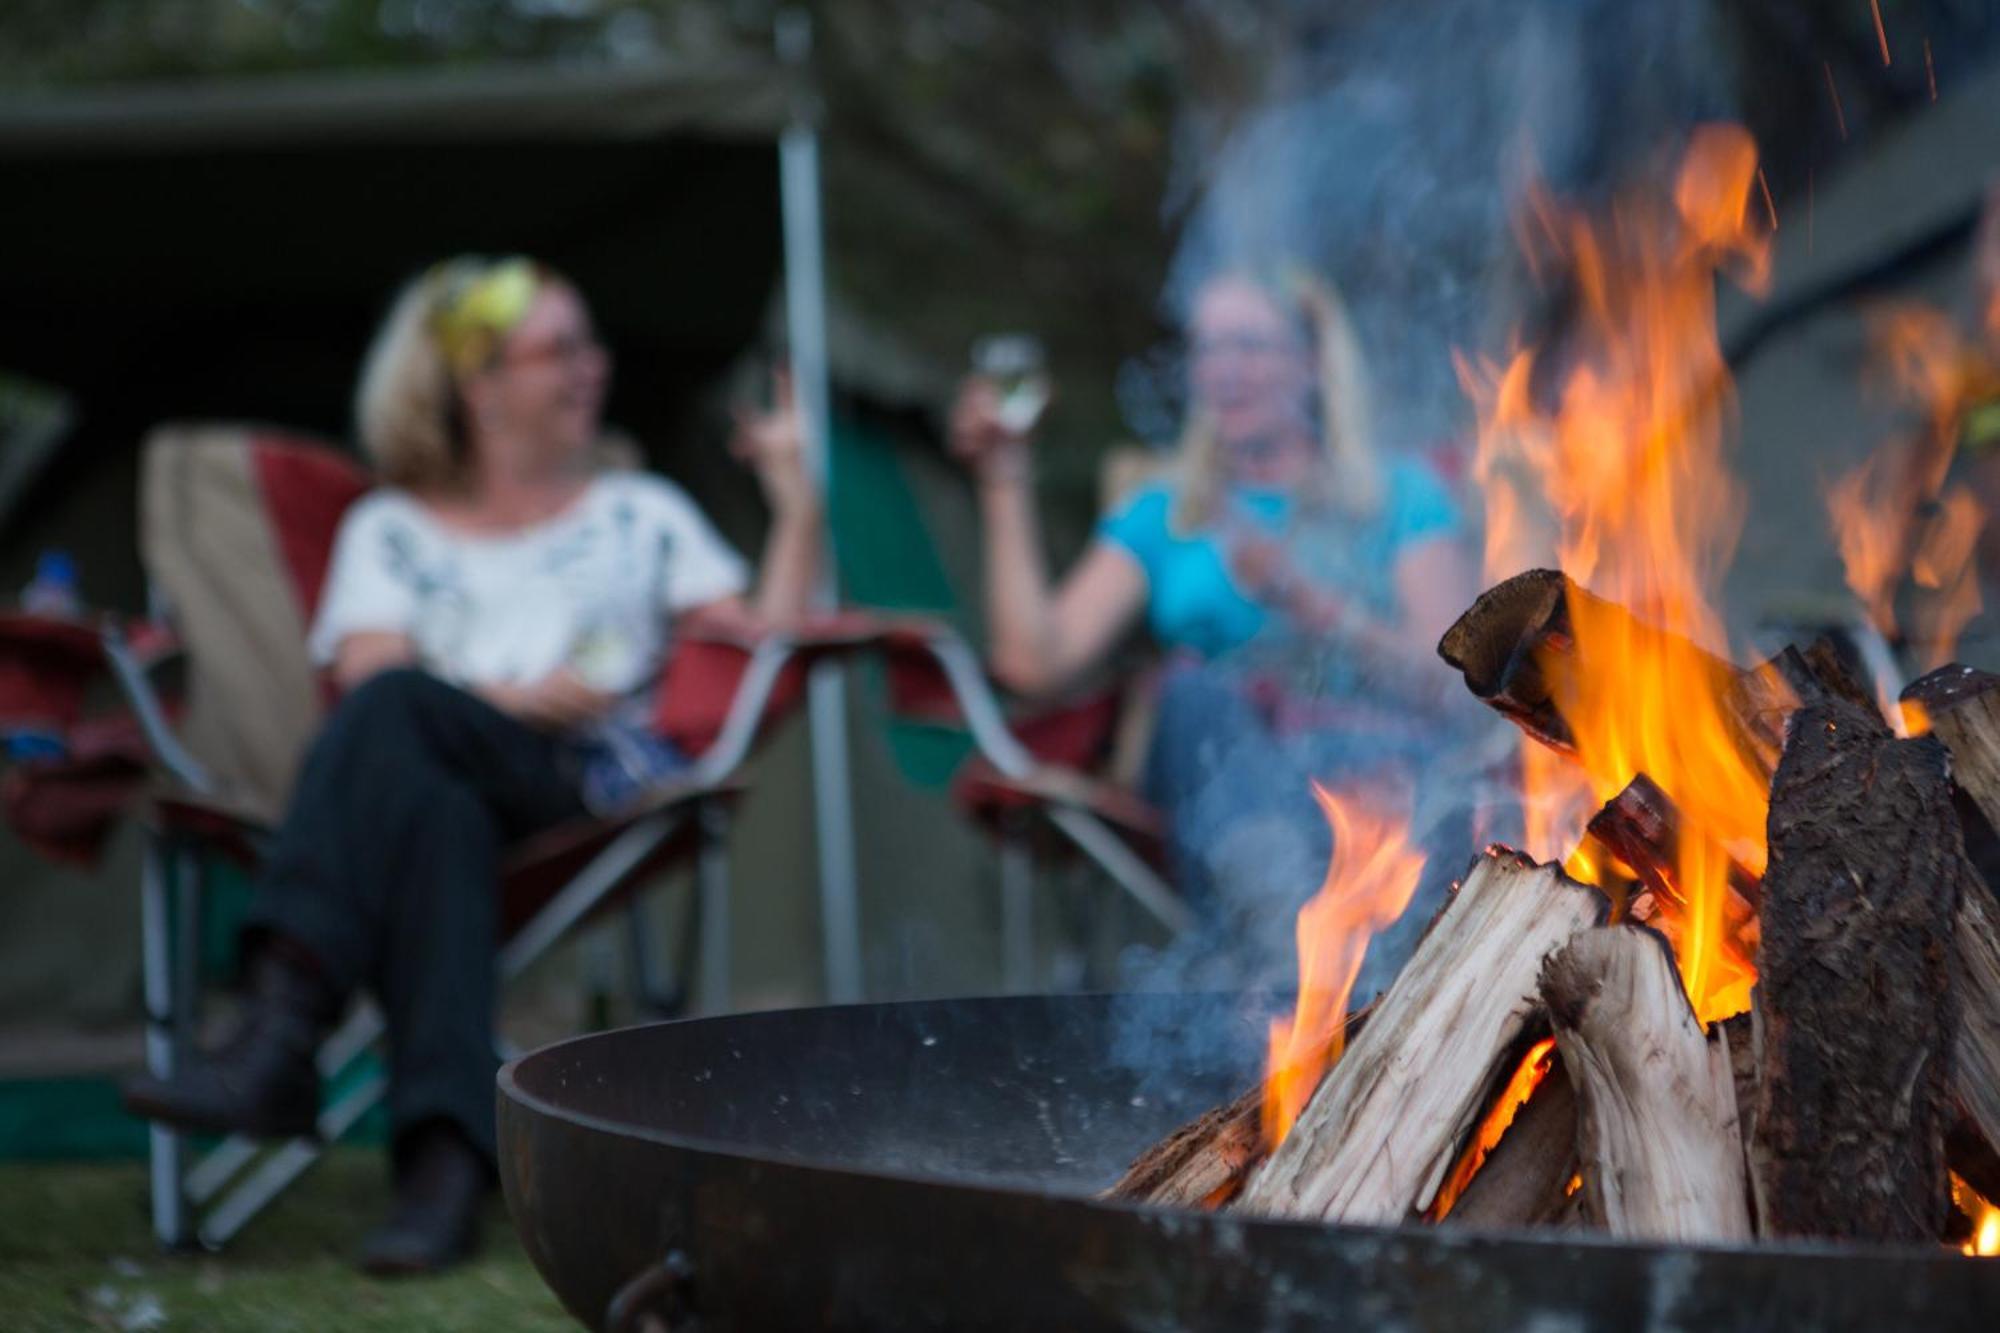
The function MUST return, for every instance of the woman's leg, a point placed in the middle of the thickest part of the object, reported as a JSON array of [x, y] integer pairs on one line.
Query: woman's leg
[[386, 871]]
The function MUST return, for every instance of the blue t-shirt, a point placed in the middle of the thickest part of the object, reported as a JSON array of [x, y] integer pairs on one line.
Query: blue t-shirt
[[1193, 602]]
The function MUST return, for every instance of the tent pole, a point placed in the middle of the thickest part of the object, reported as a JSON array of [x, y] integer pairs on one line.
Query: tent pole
[[805, 317]]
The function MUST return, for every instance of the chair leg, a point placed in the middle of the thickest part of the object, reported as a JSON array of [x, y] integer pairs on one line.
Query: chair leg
[[1017, 907], [656, 993], [166, 1150], [712, 892]]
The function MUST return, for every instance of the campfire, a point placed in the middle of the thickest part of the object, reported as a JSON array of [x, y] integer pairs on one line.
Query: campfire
[[1742, 980]]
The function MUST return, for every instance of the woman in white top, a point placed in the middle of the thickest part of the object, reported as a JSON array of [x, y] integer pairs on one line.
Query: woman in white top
[[492, 618]]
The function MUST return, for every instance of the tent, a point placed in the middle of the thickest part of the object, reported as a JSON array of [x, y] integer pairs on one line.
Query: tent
[[223, 251]]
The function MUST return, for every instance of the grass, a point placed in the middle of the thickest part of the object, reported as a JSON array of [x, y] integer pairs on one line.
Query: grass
[[76, 1253]]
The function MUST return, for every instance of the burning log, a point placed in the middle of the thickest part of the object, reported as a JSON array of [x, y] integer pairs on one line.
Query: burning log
[[1526, 1180], [1204, 1163], [1856, 1016], [1656, 1122], [1963, 709], [1387, 1124], [1516, 640], [1641, 826]]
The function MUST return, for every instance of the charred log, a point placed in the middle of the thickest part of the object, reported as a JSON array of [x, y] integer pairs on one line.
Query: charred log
[[1387, 1124], [1657, 1131], [1517, 642], [1641, 825], [1525, 1181], [1856, 1015]]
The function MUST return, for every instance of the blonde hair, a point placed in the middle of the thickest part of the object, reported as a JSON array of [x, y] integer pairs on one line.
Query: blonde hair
[[1350, 480], [406, 405]]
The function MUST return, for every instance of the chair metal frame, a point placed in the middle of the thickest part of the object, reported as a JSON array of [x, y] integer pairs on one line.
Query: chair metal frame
[[204, 1201]]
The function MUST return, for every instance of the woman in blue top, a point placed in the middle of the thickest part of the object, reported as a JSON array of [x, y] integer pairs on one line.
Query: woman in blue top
[[1298, 581]]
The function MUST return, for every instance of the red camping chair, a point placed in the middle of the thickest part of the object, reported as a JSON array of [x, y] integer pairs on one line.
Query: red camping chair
[[1023, 778], [213, 499]]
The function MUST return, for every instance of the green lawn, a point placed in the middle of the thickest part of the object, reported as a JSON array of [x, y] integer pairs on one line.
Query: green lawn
[[75, 1253]]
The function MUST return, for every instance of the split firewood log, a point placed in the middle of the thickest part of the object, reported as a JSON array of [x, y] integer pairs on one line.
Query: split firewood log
[[1203, 1163], [1657, 1134], [1963, 709], [1526, 1180], [1641, 826], [1856, 1016], [1388, 1122]]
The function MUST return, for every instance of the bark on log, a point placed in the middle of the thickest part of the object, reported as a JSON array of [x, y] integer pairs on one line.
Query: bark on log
[[1524, 1181], [1656, 1101], [1963, 706], [1203, 1163], [1856, 1014], [1378, 1138]]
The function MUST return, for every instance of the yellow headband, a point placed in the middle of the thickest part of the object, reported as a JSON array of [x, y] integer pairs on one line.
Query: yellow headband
[[477, 302]]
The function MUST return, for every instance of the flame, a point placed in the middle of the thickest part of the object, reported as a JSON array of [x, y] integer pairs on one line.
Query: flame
[[1892, 515], [1369, 881], [1626, 450], [1528, 1076], [1985, 1217]]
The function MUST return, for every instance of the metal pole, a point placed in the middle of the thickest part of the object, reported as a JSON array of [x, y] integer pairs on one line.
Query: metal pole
[[805, 317]]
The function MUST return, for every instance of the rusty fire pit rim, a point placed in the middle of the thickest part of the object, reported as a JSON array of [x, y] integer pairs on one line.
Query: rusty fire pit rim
[[509, 1087]]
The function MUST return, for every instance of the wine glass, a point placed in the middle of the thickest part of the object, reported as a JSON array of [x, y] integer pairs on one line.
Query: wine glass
[[1018, 369]]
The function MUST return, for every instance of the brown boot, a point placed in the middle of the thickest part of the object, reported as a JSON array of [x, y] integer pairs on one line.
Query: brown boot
[[263, 1081]]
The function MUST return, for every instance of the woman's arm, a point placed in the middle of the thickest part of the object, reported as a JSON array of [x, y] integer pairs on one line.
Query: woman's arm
[[1039, 638], [368, 652], [772, 444]]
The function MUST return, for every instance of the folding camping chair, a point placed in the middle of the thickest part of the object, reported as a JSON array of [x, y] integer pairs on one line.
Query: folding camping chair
[[1021, 777], [237, 530]]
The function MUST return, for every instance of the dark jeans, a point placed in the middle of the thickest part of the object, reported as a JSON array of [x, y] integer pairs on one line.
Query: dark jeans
[[387, 870]]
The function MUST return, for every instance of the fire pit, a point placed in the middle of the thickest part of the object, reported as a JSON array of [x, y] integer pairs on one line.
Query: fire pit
[[936, 1165]]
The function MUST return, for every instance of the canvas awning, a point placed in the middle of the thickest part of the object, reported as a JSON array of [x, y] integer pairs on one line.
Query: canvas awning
[[223, 249]]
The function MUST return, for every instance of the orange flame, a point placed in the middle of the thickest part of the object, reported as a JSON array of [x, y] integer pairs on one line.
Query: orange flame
[[1369, 881], [1528, 1076], [1891, 514], [1985, 1241], [1626, 453]]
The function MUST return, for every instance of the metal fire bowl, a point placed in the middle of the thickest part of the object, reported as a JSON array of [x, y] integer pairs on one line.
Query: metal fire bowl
[[932, 1166]]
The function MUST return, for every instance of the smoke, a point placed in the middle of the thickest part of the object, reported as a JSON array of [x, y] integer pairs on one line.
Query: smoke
[[1388, 156]]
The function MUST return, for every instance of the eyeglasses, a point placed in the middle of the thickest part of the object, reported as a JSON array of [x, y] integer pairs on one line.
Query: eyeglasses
[[569, 350], [1202, 347]]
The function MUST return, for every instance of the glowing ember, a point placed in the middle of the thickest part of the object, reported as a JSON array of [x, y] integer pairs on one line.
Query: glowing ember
[[1881, 33], [1528, 1076], [1625, 450], [1368, 883]]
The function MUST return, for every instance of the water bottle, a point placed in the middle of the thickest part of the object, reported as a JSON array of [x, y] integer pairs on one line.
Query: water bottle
[[52, 591]]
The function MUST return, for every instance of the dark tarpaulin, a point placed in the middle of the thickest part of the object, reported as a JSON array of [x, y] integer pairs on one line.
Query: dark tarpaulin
[[223, 250]]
